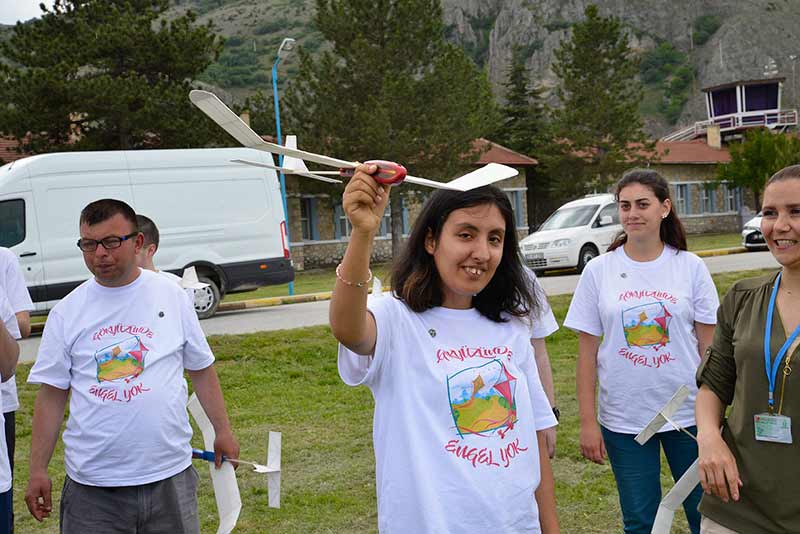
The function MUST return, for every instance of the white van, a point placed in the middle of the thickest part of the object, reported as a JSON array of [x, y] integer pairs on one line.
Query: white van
[[224, 218], [574, 234]]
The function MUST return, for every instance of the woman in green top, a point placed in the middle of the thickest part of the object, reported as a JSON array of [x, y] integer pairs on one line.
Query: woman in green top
[[751, 470]]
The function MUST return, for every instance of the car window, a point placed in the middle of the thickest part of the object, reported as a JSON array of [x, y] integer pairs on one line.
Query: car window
[[610, 210], [12, 222], [570, 217]]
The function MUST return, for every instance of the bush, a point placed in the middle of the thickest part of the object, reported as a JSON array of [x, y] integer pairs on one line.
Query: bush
[[704, 28]]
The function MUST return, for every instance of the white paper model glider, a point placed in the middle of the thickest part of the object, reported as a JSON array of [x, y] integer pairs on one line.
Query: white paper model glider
[[690, 479], [388, 173], [190, 280], [226, 490], [664, 416]]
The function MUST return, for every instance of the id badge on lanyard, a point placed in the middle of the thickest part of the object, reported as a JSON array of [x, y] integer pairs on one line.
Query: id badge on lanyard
[[769, 426]]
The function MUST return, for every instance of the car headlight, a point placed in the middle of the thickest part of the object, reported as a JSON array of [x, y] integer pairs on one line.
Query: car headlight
[[753, 228], [561, 243]]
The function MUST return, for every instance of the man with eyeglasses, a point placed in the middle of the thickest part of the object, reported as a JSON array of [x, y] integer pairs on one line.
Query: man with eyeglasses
[[119, 343]]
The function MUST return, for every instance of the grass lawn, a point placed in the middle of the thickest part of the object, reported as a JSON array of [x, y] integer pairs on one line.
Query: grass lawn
[[713, 241], [287, 381], [319, 280]]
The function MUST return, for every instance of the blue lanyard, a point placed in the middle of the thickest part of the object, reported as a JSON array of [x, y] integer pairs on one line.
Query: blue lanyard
[[772, 367]]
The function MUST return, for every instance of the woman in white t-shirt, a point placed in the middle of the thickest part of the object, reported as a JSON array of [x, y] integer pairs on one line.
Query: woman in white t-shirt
[[654, 306], [459, 407]]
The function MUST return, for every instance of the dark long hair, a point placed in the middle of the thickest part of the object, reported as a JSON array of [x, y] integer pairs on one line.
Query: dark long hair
[[416, 280], [672, 232]]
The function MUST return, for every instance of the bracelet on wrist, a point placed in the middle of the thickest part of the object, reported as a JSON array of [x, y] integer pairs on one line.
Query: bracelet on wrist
[[348, 282]]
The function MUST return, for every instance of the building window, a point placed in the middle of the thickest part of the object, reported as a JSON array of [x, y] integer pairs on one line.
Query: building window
[[709, 199], [515, 197], [308, 219], [731, 198], [342, 229], [683, 204]]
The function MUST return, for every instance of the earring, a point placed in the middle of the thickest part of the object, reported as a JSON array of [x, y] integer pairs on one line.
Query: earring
[[665, 216]]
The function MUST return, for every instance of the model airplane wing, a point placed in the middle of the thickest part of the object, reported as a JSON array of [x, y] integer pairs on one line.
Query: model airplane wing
[[190, 280], [226, 490], [664, 416], [674, 499], [236, 127], [287, 170]]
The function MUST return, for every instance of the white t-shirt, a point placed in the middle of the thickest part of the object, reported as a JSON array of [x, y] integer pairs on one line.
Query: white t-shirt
[[13, 282], [122, 351], [10, 322], [458, 402], [645, 312], [543, 323]]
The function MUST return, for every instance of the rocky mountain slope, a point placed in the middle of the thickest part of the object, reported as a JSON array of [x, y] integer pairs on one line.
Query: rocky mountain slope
[[684, 44]]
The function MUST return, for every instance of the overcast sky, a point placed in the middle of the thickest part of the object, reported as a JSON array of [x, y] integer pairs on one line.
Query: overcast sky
[[13, 10]]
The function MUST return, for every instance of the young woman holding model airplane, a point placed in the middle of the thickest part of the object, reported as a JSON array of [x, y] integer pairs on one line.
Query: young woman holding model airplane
[[459, 408]]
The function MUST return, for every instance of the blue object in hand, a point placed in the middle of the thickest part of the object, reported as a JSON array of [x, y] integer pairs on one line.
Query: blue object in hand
[[203, 455]]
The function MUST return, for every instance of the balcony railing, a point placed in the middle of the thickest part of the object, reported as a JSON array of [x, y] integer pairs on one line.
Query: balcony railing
[[735, 121]]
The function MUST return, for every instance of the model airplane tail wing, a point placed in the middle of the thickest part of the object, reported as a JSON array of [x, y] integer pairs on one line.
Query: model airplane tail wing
[[236, 127], [663, 416], [486, 175]]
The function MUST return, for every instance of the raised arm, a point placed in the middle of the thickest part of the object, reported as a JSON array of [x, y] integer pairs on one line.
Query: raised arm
[[591, 439], [364, 202]]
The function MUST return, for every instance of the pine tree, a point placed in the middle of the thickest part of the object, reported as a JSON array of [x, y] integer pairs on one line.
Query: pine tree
[[524, 121], [105, 74], [598, 123], [390, 88]]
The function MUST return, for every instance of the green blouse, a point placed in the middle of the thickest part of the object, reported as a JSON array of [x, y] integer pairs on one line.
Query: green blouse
[[734, 369]]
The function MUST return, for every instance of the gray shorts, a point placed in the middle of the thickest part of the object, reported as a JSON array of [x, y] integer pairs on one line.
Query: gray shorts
[[168, 506]]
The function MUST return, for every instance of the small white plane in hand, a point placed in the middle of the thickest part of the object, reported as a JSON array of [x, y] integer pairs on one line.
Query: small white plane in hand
[[388, 173]]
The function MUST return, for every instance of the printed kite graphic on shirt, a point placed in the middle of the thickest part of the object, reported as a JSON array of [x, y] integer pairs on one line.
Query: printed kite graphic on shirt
[[647, 325], [123, 360], [482, 399]]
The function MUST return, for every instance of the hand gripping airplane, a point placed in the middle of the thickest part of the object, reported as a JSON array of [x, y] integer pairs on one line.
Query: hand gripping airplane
[[388, 173]]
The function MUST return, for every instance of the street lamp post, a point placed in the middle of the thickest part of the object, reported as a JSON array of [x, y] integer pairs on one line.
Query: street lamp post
[[287, 45]]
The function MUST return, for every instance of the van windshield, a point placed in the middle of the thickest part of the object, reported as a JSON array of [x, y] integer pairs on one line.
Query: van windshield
[[570, 217]]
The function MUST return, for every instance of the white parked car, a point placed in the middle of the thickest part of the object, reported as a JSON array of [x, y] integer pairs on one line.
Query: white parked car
[[752, 239], [574, 234]]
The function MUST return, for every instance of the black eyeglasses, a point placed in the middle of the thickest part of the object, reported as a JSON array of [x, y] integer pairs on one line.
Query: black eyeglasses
[[112, 241]]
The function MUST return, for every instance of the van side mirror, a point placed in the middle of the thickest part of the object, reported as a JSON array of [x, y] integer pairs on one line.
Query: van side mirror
[[606, 220]]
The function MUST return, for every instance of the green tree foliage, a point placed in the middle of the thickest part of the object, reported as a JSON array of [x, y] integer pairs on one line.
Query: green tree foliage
[[390, 88], [105, 74], [598, 125], [704, 27], [668, 71], [524, 121], [759, 156]]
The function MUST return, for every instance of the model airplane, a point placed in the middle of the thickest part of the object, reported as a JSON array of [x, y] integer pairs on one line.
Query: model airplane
[[691, 477], [226, 489], [388, 173]]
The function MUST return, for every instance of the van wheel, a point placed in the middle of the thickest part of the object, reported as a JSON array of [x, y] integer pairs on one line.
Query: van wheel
[[206, 300], [587, 254]]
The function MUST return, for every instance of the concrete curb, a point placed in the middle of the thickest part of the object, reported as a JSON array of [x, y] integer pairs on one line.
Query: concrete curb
[[37, 328], [720, 252]]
